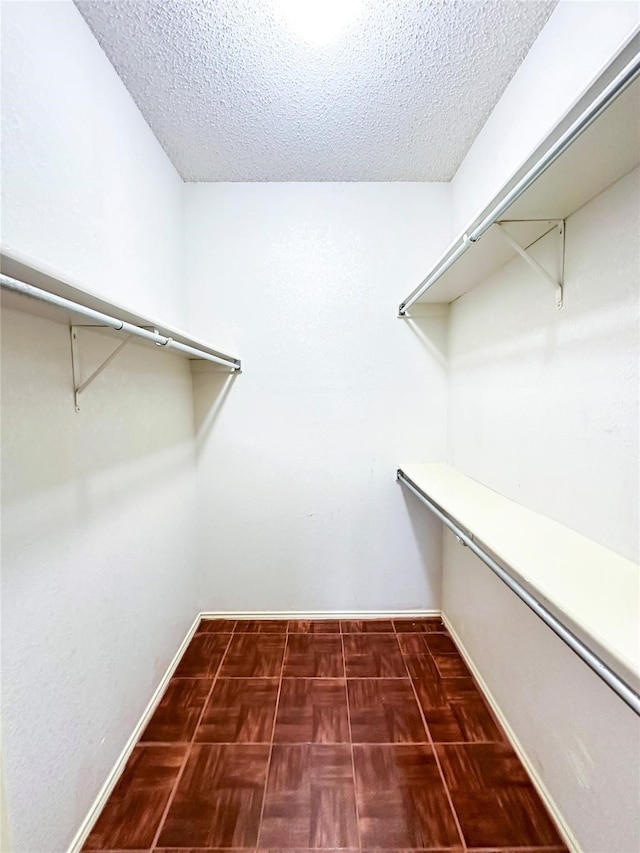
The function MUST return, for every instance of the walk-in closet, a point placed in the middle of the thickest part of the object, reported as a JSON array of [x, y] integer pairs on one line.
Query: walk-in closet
[[320, 426]]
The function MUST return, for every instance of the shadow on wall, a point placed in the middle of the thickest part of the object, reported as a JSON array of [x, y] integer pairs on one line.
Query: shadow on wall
[[140, 406], [429, 329], [211, 387], [427, 531]]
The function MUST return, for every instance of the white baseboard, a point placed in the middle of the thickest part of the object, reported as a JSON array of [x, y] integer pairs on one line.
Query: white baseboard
[[114, 775], [318, 614], [105, 792], [110, 783], [567, 836]]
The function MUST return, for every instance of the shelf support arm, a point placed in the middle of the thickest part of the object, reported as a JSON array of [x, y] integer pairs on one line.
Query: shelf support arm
[[558, 282], [80, 386]]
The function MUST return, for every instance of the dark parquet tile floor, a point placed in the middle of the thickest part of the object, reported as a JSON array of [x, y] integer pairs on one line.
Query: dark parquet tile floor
[[323, 735]]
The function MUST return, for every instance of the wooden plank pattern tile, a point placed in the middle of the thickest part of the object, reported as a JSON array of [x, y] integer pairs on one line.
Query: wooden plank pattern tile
[[384, 711], [203, 656], [253, 656], [131, 816], [216, 626], [239, 710], [401, 799], [373, 656], [313, 656], [366, 626], [176, 716], [219, 798], [314, 626], [412, 644], [261, 626], [310, 800], [427, 625], [496, 804], [308, 736], [312, 710], [450, 666]]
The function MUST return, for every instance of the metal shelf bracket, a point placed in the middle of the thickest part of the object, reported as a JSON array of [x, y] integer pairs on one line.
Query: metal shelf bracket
[[80, 385], [557, 281]]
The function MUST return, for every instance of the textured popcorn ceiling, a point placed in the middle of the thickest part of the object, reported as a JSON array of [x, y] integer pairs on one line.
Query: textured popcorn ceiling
[[233, 94]]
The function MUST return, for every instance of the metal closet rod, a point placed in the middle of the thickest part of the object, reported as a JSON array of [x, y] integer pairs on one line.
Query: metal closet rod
[[604, 99], [32, 292], [601, 669]]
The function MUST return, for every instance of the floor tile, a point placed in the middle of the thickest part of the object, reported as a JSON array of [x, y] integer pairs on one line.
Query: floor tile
[[313, 656], [401, 799], [496, 803], [373, 656], [426, 625], [366, 626], [451, 666], [562, 849], [314, 626], [202, 850], [412, 644], [203, 656], [216, 626], [253, 656], [133, 812], [312, 710], [261, 626], [422, 668], [219, 798], [384, 711], [464, 718], [176, 716], [416, 850], [310, 798], [441, 643], [239, 710]]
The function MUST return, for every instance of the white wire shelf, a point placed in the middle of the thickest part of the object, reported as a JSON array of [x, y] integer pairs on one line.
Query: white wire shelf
[[590, 594], [594, 145], [44, 293]]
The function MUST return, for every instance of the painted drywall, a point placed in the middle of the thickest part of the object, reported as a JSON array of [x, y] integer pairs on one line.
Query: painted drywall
[[543, 407], [581, 740], [298, 508], [98, 585], [86, 189], [543, 403], [555, 72]]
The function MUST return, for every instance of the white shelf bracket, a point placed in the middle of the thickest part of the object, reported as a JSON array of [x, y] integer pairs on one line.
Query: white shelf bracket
[[80, 385], [557, 282]]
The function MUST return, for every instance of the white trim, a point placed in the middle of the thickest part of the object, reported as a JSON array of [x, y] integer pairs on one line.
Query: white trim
[[105, 792], [564, 830], [318, 614]]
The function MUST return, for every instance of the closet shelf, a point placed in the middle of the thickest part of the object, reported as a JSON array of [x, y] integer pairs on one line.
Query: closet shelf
[[591, 594], [594, 145], [42, 292]]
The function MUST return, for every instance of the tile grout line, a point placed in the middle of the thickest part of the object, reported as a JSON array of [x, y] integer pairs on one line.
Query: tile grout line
[[189, 748], [353, 762], [434, 751], [273, 734]]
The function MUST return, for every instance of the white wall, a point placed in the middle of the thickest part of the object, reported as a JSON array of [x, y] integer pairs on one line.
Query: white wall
[[98, 585], [86, 188], [579, 737], [298, 506], [543, 403], [573, 46], [543, 407]]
